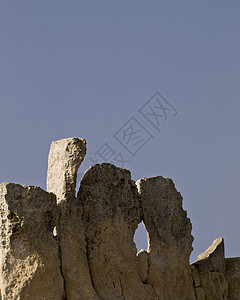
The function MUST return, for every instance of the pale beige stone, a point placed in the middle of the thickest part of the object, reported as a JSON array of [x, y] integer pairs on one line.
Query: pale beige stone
[[212, 271], [64, 159], [170, 239], [55, 247], [111, 214], [29, 254], [233, 277]]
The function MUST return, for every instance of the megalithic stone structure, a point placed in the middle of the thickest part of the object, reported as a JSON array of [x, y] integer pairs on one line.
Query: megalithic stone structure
[[56, 246], [29, 254], [111, 214], [170, 239], [64, 159]]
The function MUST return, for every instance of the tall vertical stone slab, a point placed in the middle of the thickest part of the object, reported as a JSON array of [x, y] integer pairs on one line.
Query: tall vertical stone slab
[[233, 277], [111, 214], [29, 254], [170, 239], [212, 271], [64, 159]]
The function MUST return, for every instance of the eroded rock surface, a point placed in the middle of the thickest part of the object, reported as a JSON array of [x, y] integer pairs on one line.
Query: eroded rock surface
[[92, 255], [64, 159], [233, 277], [111, 214], [29, 254], [212, 271], [170, 239]]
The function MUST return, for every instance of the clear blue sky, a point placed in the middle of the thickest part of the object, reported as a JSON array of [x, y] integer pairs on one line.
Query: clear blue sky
[[85, 68]]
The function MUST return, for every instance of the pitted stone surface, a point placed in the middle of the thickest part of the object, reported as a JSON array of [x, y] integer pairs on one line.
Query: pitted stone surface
[[212, 271], [64, 159], [111, 214], [59, 247], [29, 254], [170, 239]]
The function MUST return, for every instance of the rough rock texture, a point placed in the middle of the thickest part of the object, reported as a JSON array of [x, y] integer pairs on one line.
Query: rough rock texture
[[170, 239], [29, 254], [111, 214], [233, 277], [143, 263], [59, 247], [212, 271], [64, 159]]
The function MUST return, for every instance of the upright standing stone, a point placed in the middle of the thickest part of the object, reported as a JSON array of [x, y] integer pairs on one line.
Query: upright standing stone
[[212, 271], [170, 239], [29, 254], [64, 159], [111, 214]]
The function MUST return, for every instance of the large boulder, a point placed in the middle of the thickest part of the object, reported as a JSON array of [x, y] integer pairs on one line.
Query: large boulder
[[29, 254]]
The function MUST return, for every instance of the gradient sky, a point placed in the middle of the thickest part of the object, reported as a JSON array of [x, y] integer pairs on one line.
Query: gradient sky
[[85, 68]]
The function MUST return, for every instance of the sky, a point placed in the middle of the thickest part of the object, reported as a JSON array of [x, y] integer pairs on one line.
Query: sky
[[153, 86]]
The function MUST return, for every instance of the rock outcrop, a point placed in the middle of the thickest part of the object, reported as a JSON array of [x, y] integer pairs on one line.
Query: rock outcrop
[[170, 239], [29, 254], [212, 271], [56, 246], [111, 214], [64, 159]]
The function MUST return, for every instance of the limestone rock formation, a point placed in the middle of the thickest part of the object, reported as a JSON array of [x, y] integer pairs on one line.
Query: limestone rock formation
[[56, 246], [212, 271], [170, 239], [111, 214], [64, 159], [29, 254]]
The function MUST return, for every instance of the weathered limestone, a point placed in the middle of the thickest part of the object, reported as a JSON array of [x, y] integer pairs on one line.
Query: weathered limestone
[[29, 254], [212, 271], [111, 214], [64, 159], [170, 239], [59, 247], [233, 277]]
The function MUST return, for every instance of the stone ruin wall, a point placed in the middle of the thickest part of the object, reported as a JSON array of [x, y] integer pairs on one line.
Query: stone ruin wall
[[54, 245]]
